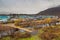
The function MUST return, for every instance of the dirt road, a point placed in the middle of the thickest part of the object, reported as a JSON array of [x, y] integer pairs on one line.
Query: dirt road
[[18, 27]]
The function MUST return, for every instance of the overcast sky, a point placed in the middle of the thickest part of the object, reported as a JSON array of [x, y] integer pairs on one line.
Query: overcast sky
[[27, 6]]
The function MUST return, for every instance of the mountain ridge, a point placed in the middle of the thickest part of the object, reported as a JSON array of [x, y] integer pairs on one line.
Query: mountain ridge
[[51, 11]]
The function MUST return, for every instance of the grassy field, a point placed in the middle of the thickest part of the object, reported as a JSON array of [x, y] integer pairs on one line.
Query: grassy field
[[33, 37], [30, 38], [47, 33]]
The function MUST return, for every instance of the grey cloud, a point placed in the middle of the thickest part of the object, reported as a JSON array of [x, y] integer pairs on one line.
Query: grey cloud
[[27, 6]]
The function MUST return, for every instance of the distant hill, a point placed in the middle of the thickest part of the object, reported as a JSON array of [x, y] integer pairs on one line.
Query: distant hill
[[12, 13], [51, 11]]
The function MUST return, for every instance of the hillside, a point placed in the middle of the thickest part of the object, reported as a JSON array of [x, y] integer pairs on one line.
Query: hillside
[[51, 11]]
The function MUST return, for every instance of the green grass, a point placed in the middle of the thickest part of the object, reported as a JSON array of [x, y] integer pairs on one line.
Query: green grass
[[6, 38], [30, 38]]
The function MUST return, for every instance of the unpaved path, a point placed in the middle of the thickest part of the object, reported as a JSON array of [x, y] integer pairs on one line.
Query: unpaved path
[[12, 25]]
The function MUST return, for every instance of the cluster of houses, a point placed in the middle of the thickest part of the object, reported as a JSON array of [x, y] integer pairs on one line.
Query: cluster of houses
[[4, 18]]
